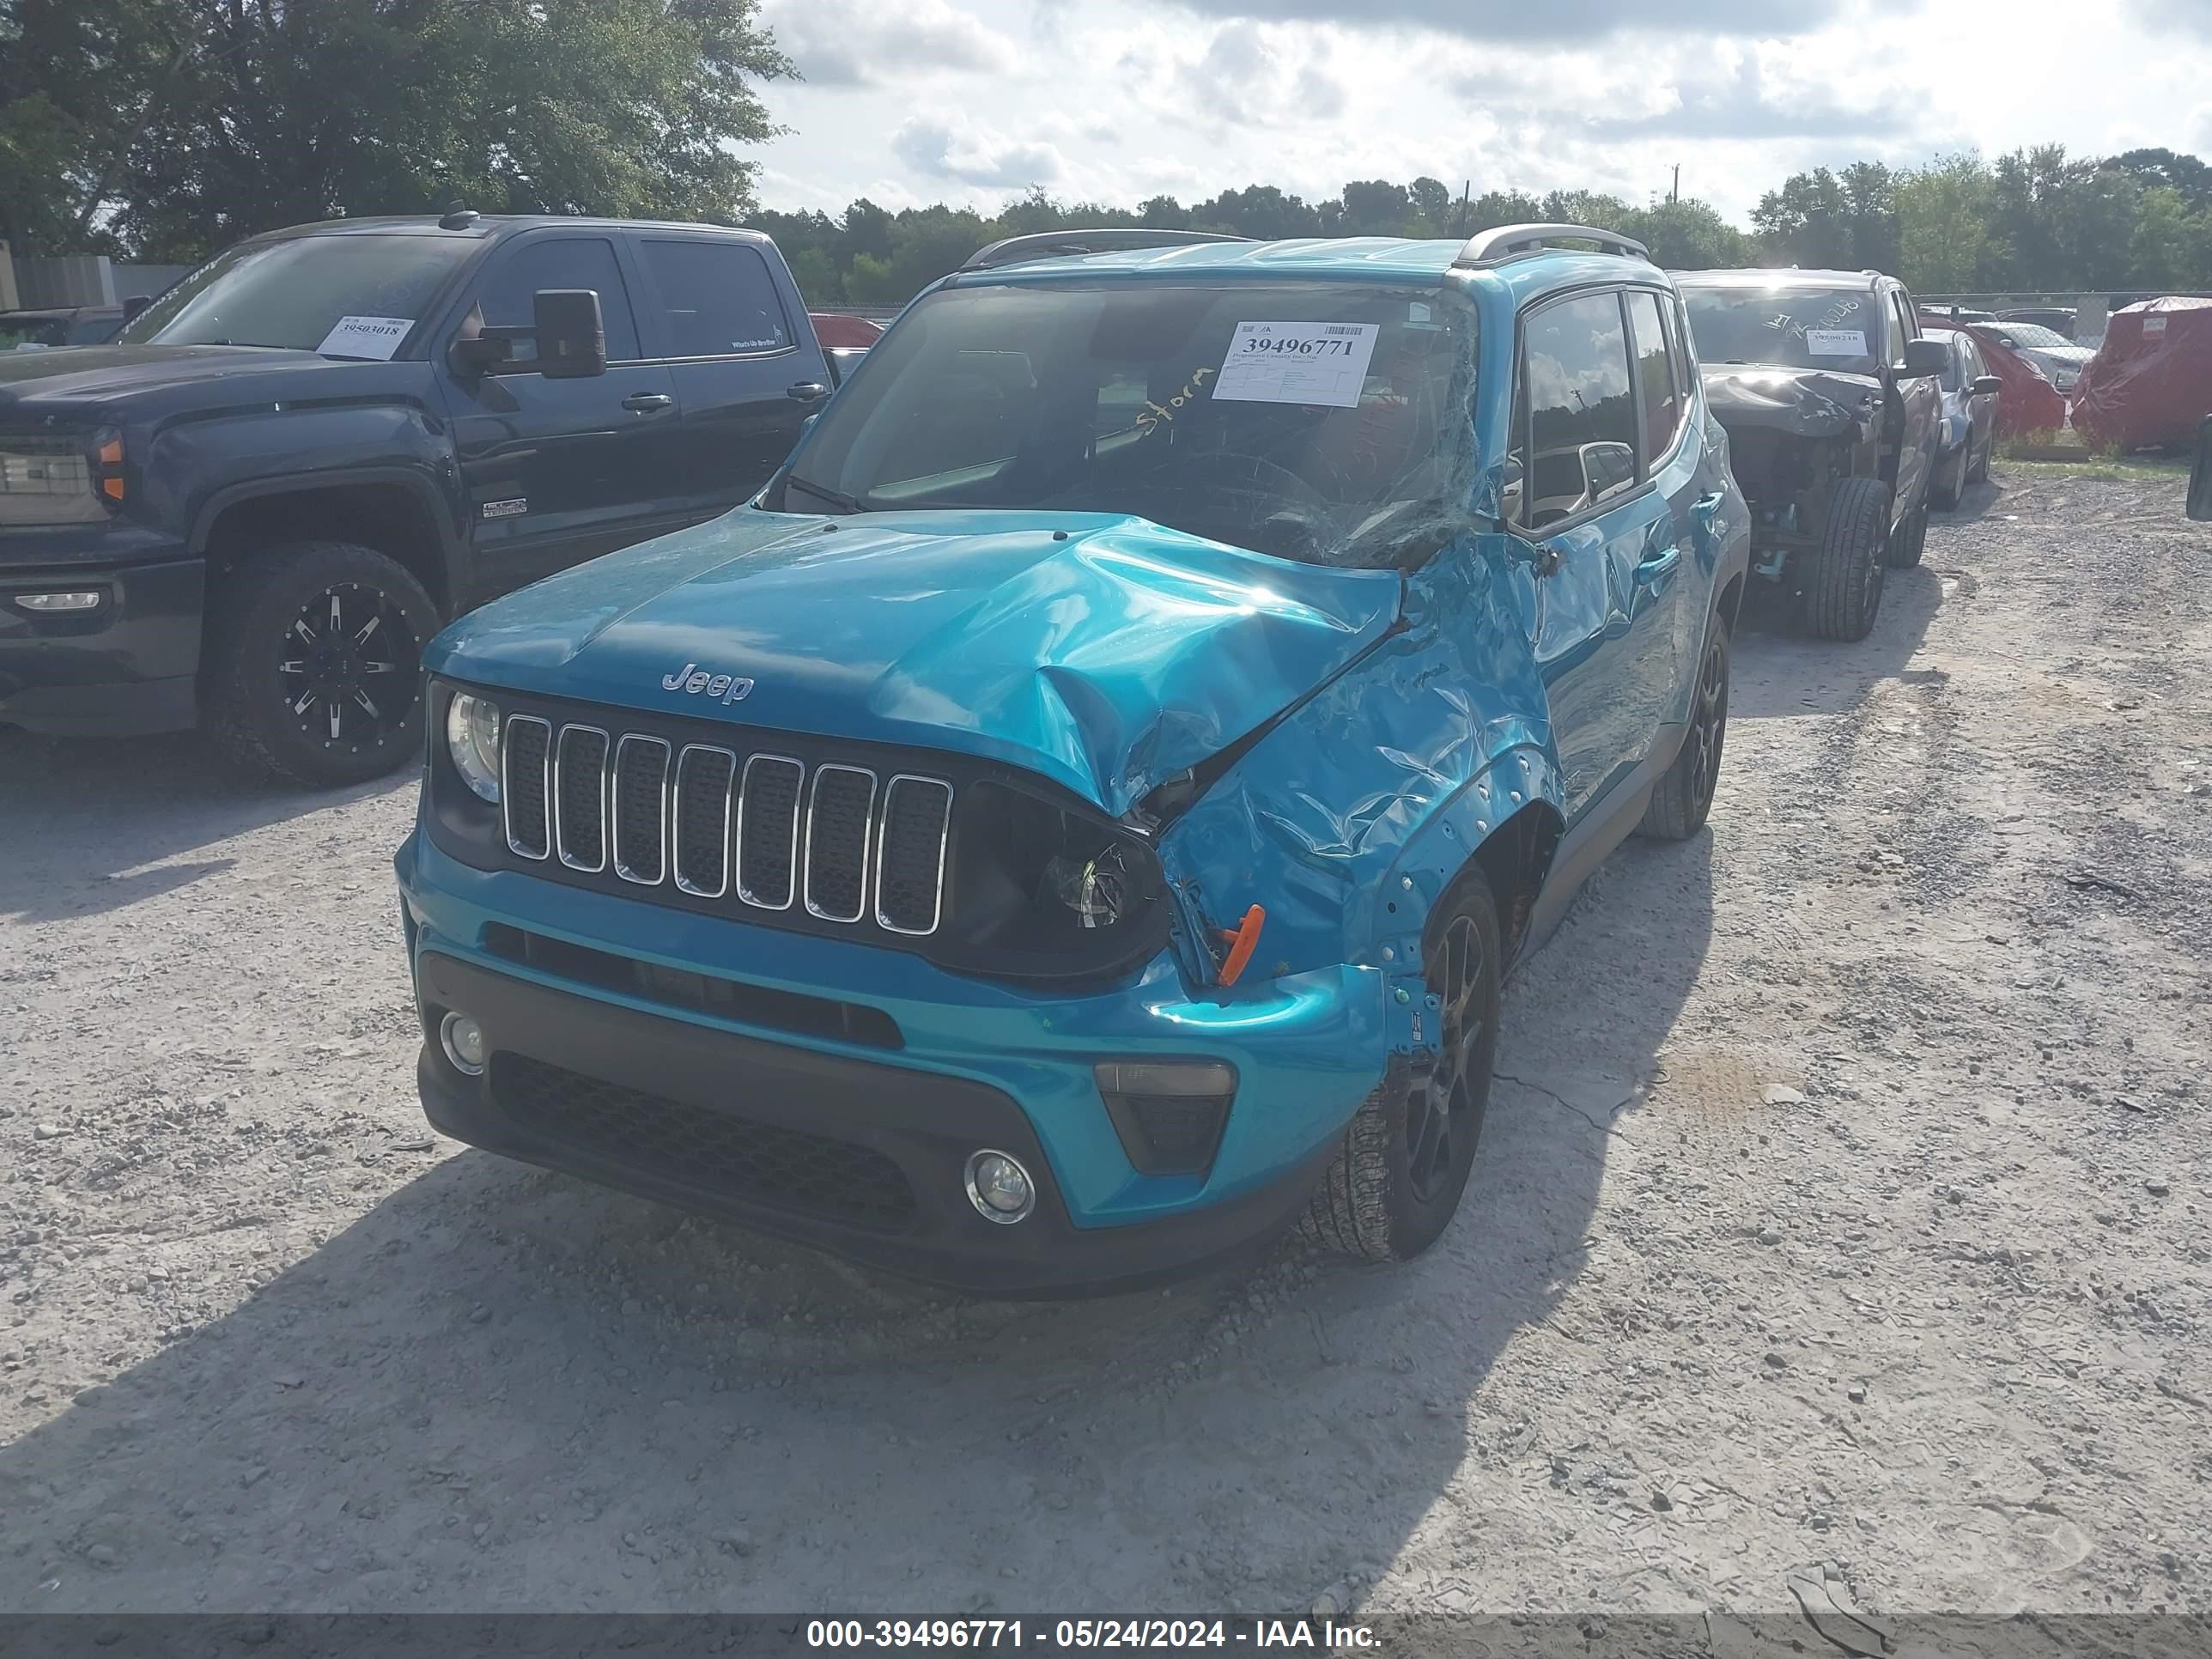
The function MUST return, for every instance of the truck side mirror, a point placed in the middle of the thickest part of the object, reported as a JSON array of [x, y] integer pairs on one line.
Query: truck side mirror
[[1924, 357], [2200, 476], [571, 340]]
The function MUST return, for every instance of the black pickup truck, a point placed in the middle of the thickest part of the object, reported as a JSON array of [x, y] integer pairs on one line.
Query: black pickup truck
[[254, 508]]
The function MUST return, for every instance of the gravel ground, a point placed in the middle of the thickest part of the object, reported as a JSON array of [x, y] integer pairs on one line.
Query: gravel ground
[[1843, 1201]]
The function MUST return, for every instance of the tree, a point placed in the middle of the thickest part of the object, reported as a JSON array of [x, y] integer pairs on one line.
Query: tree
[[1689, 235], [235, 117], [1947, 240], [1437, 206], [2186, 174]]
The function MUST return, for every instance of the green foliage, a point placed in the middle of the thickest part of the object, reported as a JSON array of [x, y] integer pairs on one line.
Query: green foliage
[[170, 127]]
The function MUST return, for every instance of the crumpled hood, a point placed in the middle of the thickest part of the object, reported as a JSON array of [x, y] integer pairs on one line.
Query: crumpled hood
[[1106, 652], [1813, 403]]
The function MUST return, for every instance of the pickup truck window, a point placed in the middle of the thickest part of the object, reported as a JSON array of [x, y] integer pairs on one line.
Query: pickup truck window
[[291, 293], [511, 288], [720, 300], [1840, 329], [1341, 434]]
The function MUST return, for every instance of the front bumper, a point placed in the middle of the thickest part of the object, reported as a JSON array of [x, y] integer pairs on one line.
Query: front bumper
[[744, 1120], [127, 668]]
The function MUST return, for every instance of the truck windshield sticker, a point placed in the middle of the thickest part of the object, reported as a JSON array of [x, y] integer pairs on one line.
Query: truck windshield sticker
[[1835, 342], [1311, 363], [373, 337]]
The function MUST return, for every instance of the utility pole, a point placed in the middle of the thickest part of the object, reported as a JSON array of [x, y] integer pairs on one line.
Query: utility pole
[[1466, 190], [1676, 194]]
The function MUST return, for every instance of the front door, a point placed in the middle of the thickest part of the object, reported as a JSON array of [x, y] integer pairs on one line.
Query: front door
[[557, 471], [1919, 406], [1611, 570]]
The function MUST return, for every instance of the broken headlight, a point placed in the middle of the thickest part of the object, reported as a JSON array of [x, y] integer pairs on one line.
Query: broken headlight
[[1043, 889]]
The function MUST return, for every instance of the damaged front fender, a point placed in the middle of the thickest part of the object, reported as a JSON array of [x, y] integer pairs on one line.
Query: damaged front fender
[[1355, 814]]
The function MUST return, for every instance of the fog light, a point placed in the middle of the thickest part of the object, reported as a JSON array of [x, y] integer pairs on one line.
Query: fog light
[[999, 1188], [462, 1039], [88, 600]]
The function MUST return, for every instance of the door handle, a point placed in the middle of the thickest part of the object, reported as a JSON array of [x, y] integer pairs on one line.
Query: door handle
[[1658, 564], [807, 392], [649, 403]]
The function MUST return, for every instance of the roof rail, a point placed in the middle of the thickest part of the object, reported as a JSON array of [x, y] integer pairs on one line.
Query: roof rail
[[1055, 244], [1491, 247]]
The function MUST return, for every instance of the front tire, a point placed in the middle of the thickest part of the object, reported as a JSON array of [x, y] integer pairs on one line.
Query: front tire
[[1396, 1181], [1910, 542], [1845, 592], [1684, 799], [315, 663]]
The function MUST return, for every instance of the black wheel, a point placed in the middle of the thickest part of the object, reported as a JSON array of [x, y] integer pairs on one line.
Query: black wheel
[[1843, 590], [1396, 1179], [1684, 799], [1948, 481], [1978, 472], [1908, 542], [315, 663]]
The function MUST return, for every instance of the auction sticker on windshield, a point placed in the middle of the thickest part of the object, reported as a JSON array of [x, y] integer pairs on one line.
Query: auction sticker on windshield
[[1835, 342], [1323, 364], [366, 336]]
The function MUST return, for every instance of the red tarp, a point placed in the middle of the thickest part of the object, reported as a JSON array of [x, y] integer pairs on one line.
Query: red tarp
[[834, 330], [2151, 380], [2029, 402]]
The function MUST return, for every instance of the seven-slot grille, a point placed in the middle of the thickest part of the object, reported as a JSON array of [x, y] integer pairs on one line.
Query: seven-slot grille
[[768, 831]]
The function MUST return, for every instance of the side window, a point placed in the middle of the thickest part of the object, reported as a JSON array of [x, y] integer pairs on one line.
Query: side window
[[1656, 389], [721, 300], [1900, 326], [1582, 407], [571, 262], [1686, 350]]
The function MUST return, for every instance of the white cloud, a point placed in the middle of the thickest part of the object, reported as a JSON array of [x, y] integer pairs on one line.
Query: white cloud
[[854, 43], [958, 149]]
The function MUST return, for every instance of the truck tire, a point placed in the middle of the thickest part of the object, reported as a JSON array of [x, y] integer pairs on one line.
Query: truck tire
[[1948, 481], [1396, 1179], [314, 663], [1684, 799], [1907, 541], [1843, 592]]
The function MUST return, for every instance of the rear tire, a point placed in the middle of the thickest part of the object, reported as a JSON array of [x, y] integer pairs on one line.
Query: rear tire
[[314, 663], [1684, 799], [1845, 591], [1396, 1181], [1908, 542]]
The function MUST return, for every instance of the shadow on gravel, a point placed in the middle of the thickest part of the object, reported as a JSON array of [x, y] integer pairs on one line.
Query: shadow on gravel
[[1780, 671], [505, 1389], [84, 822]]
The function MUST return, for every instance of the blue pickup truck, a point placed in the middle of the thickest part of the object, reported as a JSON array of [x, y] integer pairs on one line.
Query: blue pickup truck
[[1076, 822], [253, 508]]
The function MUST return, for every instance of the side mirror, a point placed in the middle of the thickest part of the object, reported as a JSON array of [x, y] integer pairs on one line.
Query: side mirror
[[1924, 357], [1986, 386], [572, 341], [135, 304], [2200, 476]]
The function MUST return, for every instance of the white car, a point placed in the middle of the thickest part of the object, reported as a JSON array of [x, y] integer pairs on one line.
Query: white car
[[2059, 357]]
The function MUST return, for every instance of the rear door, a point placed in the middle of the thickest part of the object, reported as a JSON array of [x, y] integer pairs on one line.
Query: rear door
[[558, 471], [1920, 404], [743, 357], [1610, 568]]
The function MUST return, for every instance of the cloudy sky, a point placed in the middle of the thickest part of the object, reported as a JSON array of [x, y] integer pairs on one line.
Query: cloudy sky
[[914, 101]]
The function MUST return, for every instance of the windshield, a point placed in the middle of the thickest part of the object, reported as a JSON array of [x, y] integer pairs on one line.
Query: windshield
[[1790, 328], [345, 296], [1321, 422], [2032, 336]]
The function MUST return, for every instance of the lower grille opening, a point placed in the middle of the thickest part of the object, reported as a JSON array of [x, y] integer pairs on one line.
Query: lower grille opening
[[712, 1150], [726, 999]]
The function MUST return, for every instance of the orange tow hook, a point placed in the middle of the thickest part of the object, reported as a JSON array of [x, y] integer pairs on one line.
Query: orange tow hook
[[1241, 943]]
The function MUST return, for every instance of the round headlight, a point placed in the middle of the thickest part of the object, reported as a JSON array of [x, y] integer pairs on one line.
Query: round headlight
[[473, 739]]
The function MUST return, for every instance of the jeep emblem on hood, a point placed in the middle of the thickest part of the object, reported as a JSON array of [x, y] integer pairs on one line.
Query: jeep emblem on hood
[[697, 681]]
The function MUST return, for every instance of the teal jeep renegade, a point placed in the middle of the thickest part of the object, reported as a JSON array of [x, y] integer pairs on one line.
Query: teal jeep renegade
[[1077, 820]]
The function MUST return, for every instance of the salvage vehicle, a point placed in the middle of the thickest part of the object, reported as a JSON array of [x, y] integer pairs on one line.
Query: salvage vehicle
[[253, 508], [1078, 820], [1969, 430], [2059, 357], [2150, 383], [1830, 397]]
